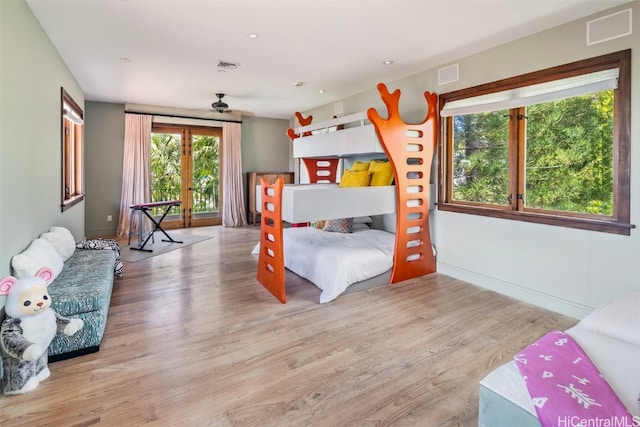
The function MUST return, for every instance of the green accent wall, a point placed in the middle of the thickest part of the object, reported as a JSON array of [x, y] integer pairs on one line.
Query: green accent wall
[[31, 75]]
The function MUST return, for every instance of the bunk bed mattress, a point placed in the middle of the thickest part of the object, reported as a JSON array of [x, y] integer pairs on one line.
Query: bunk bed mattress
[[334, 261], [314, 202], [505, 401]]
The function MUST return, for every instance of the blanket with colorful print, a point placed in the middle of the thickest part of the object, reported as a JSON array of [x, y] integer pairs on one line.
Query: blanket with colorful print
[[565, 386]]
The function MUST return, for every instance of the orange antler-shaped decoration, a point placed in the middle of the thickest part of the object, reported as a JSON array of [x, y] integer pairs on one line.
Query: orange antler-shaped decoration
[[271, 259], [410, 149], [303, 122]]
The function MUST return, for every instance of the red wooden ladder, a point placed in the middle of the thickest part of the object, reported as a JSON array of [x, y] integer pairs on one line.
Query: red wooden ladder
[[271, 272], [410, 149]]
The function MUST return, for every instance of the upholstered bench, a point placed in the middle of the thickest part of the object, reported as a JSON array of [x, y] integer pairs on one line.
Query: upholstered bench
[[82, 291], [84, 275]]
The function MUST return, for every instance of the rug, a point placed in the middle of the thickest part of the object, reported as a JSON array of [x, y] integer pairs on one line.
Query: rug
[[159, 247]]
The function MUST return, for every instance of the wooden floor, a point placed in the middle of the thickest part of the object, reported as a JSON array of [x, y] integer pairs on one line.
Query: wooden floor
[[193, 340]]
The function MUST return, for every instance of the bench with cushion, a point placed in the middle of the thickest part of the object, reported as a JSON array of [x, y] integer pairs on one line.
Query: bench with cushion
[[81, 289]]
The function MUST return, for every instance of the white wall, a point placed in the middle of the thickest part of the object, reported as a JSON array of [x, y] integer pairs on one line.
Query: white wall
[[265, 145], [566, 270]]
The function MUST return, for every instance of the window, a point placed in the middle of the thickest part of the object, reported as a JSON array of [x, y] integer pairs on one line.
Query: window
[[550, 147], [72, 152]]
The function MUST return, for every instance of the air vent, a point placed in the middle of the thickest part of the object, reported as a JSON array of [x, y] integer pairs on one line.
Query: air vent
[[227, 65], [609, 27], [448, 74]]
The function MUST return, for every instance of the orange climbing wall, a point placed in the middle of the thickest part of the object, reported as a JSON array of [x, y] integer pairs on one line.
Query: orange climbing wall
[[410, 148], [271, 258], [321, 170]]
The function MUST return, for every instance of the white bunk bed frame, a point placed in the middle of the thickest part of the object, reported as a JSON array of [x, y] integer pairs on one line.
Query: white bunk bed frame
[[307, 202], [410, 149]]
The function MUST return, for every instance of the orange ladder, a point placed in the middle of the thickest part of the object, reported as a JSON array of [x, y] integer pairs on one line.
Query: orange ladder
[[410, 149], [271, 272]]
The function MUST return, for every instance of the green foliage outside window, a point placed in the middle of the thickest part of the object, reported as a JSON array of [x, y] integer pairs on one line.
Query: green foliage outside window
[[481, 158], [166, 170], [165, 167], [569, 156], [206, 174]]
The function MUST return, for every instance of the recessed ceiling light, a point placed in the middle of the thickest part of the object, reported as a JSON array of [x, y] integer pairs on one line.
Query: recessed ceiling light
[[253, 35], [297, 84], [388, 62], [322, 91], [123, 59]]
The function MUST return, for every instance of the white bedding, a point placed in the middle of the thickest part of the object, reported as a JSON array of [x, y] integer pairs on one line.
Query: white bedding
[[333, 261]]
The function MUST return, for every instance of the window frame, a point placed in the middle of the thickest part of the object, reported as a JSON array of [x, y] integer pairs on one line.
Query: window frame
[[72, 161], [619, 221]]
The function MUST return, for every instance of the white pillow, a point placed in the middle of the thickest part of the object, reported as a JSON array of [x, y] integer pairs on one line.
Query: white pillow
[[360, 226], [362, 220], [40, 253], [619, 319], [62, 240]]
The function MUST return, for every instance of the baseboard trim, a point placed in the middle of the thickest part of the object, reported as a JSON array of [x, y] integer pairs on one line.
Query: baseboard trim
[[549, 302], [100, 232]]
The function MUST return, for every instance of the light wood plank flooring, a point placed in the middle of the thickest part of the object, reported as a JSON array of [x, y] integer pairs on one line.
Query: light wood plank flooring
[[193, 340]]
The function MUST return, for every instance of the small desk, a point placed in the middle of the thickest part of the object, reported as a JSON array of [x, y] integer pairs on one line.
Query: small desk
[[145, 209]]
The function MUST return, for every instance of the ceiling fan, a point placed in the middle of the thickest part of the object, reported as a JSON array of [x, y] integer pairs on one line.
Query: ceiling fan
[[219, 105]]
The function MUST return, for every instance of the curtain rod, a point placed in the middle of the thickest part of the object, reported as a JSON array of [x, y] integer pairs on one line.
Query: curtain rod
[[181, 117]]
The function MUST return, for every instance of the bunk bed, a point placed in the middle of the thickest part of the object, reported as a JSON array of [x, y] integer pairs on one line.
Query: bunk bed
[[408, 147]]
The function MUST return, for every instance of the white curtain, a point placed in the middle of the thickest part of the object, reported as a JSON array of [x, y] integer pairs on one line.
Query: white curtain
[[233, 209], [136, 186]]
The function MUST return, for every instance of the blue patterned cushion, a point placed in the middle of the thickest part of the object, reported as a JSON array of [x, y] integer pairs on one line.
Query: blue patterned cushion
[[90, 335], [83, 291], [85, 282]]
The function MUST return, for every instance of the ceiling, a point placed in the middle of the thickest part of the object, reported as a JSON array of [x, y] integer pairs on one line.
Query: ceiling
[[165, 52]]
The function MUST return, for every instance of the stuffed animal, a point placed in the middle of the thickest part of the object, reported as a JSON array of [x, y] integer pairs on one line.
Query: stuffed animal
[[29, 328]]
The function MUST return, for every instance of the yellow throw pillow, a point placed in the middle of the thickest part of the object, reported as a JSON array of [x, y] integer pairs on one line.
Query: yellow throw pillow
[[382, 173], [359, 166], [355, 179]]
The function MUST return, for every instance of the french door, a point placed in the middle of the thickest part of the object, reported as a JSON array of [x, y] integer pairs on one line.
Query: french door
[[185, 165]]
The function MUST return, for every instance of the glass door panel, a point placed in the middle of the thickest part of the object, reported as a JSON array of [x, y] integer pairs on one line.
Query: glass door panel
[[166, 173], [205, 180], [185, 166]]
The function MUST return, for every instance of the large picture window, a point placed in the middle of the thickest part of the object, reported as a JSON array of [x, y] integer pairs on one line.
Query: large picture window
[[550, 147], [72, 152]]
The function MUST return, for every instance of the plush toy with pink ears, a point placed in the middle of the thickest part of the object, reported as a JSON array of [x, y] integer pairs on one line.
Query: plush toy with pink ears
[[28, 330]]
